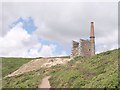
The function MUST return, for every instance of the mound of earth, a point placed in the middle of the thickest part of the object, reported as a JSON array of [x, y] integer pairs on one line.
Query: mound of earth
[[39, 63]]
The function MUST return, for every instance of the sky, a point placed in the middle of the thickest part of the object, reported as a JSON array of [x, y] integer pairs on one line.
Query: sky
[[35, 29]]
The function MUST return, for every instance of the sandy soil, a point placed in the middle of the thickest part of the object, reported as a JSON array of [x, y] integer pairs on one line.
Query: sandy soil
[[39, 63], [45, 83]]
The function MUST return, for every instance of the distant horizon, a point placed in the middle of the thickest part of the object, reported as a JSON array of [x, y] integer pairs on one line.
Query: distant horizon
[[51, 56]]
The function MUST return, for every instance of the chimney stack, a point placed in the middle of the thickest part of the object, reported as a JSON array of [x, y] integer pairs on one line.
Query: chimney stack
[[92, 30], [92, 39]]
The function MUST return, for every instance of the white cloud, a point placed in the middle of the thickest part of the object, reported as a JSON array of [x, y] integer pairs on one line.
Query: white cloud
[[66, 21], [47, 51], [63, 53], [61, 0], [109, 42], [18, 43], [33, 51], [12, 42]]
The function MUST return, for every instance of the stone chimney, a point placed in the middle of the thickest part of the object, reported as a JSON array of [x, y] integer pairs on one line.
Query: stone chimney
[[92, 39]]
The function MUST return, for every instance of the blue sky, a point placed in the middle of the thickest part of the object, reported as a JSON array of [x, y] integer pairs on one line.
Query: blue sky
[[28, 24], [30, 27], [47, 26], [59, 47]]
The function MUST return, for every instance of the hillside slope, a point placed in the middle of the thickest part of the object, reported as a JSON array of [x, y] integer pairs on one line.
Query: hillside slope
[[25, 73], [100, 71], [11, 64]]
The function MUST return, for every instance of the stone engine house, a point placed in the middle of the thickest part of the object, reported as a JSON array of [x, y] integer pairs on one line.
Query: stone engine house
[[84, 47]]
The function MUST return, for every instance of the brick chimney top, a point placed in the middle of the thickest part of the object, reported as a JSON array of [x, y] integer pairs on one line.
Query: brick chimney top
[[92, 22], [92, 30]]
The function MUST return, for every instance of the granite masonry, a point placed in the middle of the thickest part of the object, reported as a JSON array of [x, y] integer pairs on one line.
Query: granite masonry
[[84, 47]]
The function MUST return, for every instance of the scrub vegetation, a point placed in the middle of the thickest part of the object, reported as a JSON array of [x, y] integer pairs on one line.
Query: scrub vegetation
[[99, 71]]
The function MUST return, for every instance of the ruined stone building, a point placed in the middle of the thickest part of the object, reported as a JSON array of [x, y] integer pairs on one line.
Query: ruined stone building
[[85, 47]]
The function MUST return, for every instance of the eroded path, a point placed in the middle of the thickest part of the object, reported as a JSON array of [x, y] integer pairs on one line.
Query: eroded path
[[45, 83]]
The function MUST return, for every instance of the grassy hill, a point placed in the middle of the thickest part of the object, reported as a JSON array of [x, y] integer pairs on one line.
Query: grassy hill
[[100, 71], [11, 64], [27, 80]]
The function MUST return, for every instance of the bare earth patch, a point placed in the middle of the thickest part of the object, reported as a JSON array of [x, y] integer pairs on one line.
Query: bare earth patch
[[39, 63], [45, 83]]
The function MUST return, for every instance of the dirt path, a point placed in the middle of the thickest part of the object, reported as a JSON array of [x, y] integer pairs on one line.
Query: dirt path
[[45, 83]]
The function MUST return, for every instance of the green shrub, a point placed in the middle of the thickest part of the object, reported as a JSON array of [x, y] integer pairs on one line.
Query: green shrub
[[99, 71]]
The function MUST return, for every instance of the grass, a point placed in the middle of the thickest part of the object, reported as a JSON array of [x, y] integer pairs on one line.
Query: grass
[[11, 64], [28, 80], [100, 71]]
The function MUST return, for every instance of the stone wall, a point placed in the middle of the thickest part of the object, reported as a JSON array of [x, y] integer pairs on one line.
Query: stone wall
[[82, 48], [85, 48], [75, 48]]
